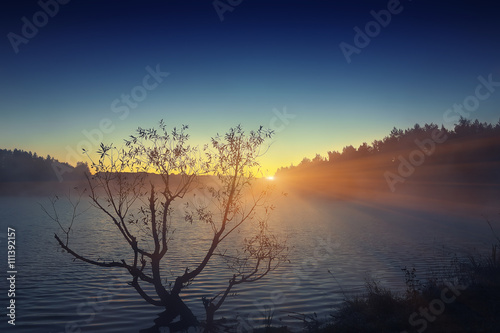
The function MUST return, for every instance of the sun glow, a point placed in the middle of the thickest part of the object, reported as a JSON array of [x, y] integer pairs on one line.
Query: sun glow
[[270, 178]]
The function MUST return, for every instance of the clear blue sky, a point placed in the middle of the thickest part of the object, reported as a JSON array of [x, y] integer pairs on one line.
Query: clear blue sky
[[70, 75]]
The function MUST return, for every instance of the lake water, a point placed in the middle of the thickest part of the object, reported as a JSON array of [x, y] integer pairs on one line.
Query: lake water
[[355, 241]]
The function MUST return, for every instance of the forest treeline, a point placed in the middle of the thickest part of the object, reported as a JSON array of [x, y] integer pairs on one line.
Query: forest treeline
[[22, 166], [468, 154]]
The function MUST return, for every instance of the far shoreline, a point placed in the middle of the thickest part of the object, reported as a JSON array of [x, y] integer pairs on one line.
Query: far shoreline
[[38, 188]]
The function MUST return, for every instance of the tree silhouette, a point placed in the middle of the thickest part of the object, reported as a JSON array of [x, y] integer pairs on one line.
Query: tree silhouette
[[471, 153], [136, 188]]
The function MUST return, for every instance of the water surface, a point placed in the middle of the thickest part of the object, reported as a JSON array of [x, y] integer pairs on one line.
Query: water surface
[[352, 240]]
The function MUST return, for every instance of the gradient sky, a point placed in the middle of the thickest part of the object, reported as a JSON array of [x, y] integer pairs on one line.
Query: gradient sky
[[263, 58]]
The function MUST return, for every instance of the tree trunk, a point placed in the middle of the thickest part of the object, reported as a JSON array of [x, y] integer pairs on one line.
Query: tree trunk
[[210, 313], [174, 308]]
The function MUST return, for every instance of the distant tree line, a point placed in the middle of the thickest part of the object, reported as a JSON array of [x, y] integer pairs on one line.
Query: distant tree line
[[470, 153], [399, 139], [19, 165]]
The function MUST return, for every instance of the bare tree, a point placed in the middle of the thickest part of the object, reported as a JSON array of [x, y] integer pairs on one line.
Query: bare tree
[[136, 188], [233, 161]]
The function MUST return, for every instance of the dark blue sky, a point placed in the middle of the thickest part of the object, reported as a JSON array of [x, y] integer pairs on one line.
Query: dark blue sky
[[275, 63]]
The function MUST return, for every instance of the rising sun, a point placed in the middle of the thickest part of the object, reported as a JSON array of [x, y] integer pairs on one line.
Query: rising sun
[[270, 178]]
